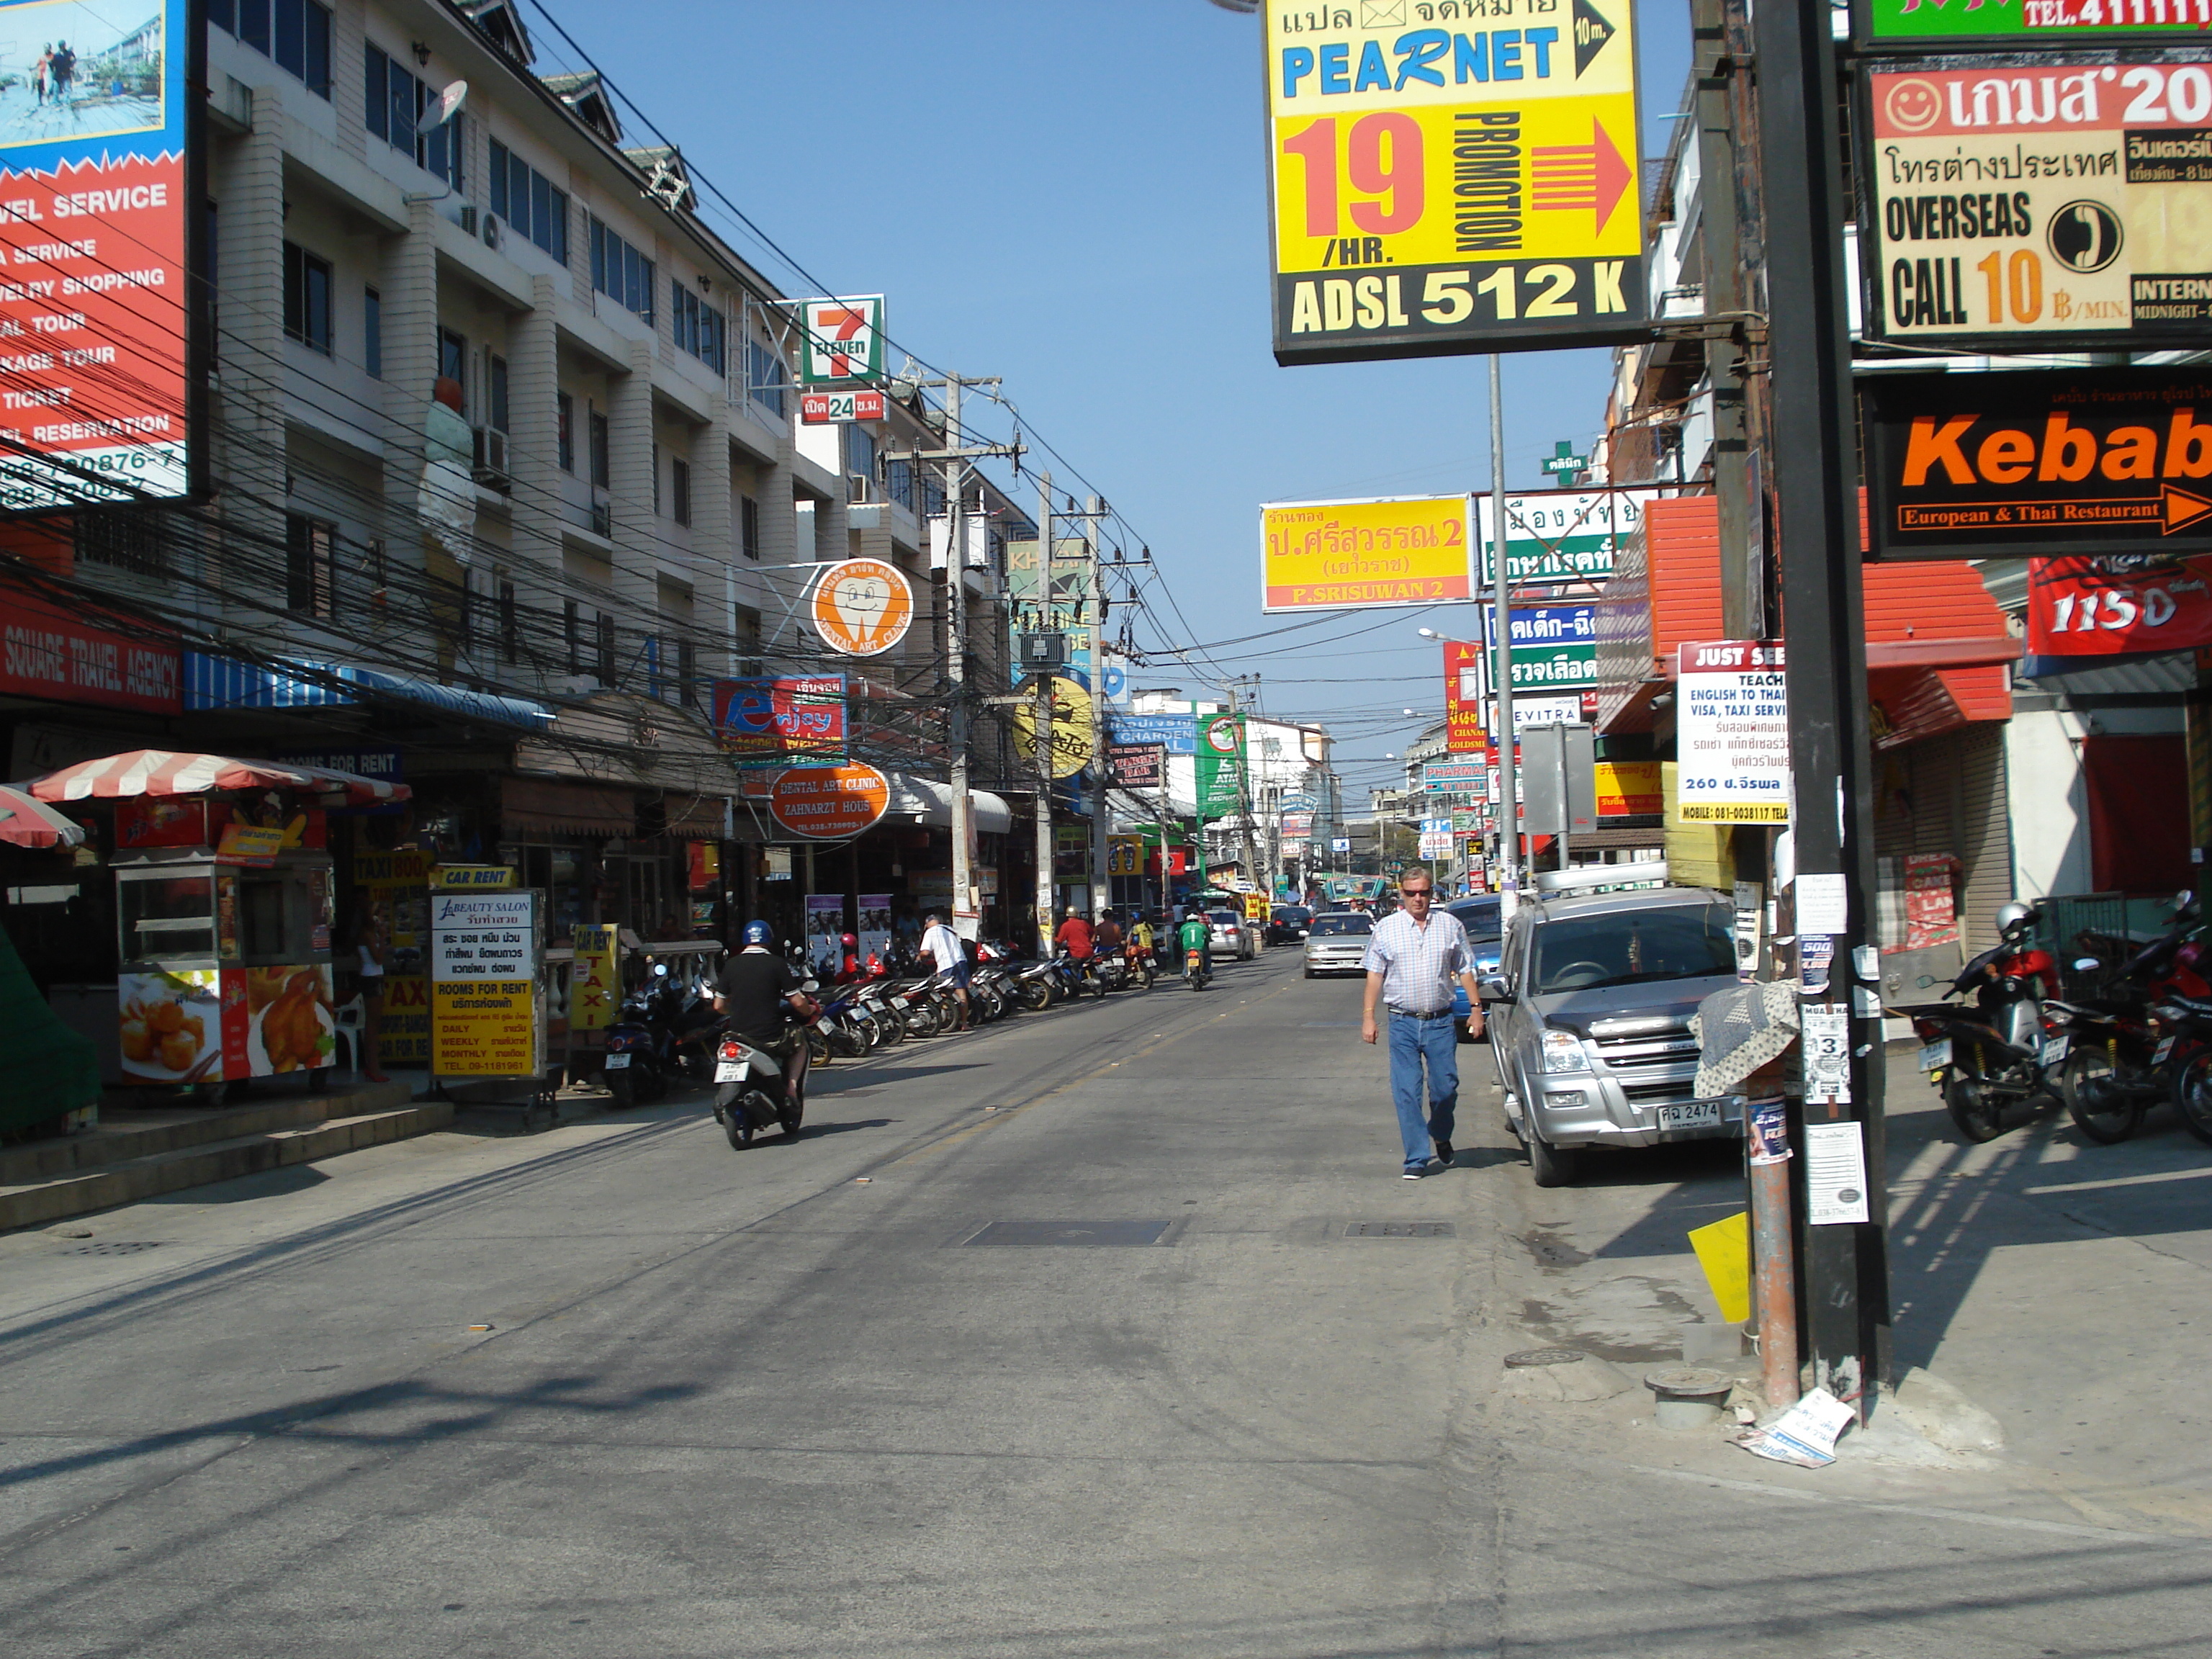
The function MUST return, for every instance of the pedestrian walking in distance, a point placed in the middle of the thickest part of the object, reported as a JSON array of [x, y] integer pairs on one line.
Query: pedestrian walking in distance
[[1412, 957]]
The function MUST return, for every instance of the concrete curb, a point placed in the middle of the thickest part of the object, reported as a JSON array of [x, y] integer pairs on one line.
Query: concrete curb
[[135, 1179]]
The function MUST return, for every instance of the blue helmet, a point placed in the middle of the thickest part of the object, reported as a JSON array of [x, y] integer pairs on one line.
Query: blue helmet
[[759, 933]]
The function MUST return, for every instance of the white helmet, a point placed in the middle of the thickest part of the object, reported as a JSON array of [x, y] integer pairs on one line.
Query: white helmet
[[2011, 915]]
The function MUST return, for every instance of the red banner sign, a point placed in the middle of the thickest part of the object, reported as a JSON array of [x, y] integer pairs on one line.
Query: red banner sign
[[2108, 607], [1463, 723], [47, 651]]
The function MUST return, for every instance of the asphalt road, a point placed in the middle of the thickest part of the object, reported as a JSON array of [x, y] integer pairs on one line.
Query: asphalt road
[[849, 1397]]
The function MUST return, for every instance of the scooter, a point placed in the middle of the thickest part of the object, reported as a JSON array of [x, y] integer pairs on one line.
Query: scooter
[[1194, 969], [1995, 1053], [750, 1094], [2146, 1033]]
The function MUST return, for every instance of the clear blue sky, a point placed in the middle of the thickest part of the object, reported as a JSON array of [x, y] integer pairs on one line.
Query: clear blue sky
[[1072, 196]]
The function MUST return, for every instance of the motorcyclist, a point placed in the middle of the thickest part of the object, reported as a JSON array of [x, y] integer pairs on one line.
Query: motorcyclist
[[1106, 937], [1194, 934], [756, 988], [1141, 939]]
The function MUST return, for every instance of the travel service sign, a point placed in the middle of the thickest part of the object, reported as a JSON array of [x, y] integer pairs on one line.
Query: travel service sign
[[1450, 178], [103, 344]]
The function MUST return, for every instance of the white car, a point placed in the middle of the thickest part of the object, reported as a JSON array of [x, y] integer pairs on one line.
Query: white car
[[1231, 935], [1336, 943]]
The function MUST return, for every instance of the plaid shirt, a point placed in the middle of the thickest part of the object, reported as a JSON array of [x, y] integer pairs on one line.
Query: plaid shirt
[[1419, 964]]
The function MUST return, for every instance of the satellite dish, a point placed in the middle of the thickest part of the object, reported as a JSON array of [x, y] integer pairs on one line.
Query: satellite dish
[[447, 107]]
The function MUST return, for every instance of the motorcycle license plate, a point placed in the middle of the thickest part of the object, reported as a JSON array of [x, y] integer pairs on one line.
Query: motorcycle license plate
[[1936, 1055], [617, 1062], [730, 1071], [2165, 1048], [2056, 1048]]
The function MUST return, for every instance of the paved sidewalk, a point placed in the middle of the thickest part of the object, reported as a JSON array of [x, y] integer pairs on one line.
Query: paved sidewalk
[[2063, 1287]]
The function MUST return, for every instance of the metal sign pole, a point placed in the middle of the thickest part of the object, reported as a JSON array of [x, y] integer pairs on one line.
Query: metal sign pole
[[1508, 814]]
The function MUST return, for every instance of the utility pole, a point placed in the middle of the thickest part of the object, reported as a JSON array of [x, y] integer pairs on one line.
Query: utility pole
[[1509, 809], [1042, 728], [955, 455], [1101, 883], [1844, 1277]]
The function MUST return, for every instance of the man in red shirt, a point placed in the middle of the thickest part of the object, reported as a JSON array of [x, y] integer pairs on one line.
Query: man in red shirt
[[1075, 934]]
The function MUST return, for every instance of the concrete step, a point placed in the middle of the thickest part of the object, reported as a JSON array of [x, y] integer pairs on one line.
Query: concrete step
[[132, 1180], [127, 1132]]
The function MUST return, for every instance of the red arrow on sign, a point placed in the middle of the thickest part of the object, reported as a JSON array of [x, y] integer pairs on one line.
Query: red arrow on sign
[[1564, 177]]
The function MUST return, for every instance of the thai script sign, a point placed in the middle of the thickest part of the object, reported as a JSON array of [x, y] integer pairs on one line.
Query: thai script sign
[[781, 722], [1350, 554]]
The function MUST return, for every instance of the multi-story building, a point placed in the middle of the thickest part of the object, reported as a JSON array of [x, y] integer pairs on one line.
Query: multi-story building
[[530, 635]]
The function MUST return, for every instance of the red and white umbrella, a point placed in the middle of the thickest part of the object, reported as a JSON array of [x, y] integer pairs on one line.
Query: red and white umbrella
[[27, 822], [165, 772]]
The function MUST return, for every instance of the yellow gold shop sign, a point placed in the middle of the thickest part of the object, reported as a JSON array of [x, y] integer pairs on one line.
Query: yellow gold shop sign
[[1330, 555]]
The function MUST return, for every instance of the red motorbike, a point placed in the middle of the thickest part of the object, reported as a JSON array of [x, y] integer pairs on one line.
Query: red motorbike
[[1990, 1050]]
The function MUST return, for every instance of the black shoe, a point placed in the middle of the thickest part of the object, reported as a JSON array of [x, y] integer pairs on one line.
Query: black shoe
[[1444, 1152]]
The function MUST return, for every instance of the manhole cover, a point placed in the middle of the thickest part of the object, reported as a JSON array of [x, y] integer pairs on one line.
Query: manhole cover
[[1687, 1382], [1529, 1356], [1399, 1230], [1080, 1234], [120, 1247]]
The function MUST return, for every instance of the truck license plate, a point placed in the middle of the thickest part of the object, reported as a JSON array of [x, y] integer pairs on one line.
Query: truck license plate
[[1936, 1055], [1691, 1114], [617, 1062]]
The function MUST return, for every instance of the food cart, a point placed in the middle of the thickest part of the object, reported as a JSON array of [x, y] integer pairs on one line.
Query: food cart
[[224, 910]]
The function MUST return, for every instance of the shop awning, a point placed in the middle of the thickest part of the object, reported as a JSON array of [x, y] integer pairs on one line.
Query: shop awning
[[926, 801], [554, 806], [223, 683], [26, 821], [165, 772]]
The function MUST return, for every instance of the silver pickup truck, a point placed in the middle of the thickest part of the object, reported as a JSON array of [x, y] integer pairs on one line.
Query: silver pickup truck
[[1589, 1020]]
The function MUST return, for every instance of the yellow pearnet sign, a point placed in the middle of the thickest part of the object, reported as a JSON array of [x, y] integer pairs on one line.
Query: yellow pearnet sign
[[1453, 177], [1321, 556]]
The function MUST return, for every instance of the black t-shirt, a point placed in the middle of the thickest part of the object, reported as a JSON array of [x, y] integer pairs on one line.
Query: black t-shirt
[[754, 986]]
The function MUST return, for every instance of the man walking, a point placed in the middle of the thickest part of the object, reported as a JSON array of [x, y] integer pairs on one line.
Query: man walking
[[1412, 957]]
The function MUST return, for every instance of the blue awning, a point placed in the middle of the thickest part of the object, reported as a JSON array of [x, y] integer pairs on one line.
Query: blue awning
[[223, 683]]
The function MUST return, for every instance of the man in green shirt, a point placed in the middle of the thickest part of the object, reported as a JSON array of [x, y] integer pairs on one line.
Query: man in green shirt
[[1196, 935]]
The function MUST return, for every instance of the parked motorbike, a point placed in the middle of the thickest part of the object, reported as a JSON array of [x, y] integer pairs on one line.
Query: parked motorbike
[[2132, 1043], [1990, 1053]]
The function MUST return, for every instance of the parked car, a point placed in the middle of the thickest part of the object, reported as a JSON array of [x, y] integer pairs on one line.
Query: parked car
[[1479, 915], [1232, 935], [1288, 923], [1589, 1012], [1337, 943]]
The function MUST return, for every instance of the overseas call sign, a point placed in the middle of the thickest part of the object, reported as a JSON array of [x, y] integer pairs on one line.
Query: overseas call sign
[[2059, 198], [1452, 177]]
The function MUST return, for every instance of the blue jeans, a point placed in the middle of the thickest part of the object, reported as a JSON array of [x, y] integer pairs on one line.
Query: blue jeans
[[1411, 1041]]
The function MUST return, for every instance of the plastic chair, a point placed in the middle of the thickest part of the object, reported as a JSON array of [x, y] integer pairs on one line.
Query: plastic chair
[[349, 1019]]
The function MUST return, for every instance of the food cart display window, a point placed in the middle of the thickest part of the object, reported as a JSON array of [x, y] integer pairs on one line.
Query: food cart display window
[[278, 912], [162, 918]]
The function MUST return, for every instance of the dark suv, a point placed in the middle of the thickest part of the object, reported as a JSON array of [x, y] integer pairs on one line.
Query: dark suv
[[1287, 924]]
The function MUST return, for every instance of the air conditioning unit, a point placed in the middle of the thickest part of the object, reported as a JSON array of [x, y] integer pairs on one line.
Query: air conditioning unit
[[491, 459], [492, 230], [468, 219]]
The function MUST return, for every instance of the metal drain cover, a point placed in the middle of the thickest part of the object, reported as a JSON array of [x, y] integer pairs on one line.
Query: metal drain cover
[[1400, 1230], [1529, 1356], [1079, 1235], [119, 1247]]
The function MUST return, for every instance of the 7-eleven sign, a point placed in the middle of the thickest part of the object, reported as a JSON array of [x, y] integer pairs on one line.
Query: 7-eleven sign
[[844, 341]]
